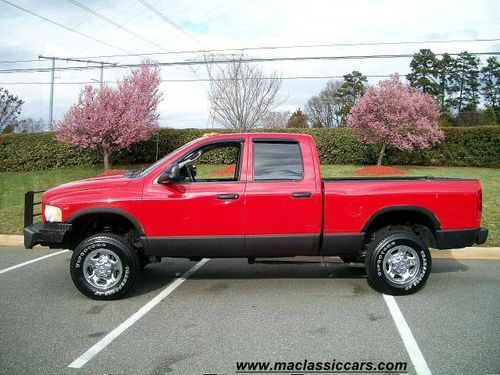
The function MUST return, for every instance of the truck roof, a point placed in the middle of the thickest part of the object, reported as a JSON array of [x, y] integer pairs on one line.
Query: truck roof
[[297, 136]]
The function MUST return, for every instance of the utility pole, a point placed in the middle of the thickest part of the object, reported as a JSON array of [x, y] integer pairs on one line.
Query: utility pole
[[51, 101], [53, 59], [102, 73]]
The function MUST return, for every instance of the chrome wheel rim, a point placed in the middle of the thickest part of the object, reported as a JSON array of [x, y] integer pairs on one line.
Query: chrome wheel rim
[[401, 264], [102, 269]]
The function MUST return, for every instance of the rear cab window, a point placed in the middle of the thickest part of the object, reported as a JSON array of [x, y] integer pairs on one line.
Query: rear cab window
[[277, 160]]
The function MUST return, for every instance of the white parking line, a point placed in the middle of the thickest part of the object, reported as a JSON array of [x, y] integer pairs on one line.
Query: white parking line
[[411, 345], [106, 340], [32, 261]]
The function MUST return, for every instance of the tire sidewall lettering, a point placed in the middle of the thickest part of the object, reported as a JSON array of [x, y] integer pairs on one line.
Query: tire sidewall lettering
[[422, 259], [109, 246], [380, 257], [86, 249], [116, 289]]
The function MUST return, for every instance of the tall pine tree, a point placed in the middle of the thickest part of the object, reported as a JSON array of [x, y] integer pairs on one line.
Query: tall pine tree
[[353, 85], [464, 83], [490, 88], [445, 69], [425, 72]]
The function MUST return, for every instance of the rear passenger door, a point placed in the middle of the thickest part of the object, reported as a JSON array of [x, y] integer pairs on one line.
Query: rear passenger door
[[282, 199]]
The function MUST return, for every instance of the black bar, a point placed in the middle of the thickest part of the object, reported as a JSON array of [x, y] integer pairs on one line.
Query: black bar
[[28, 208], [228, 196], [301, 194]]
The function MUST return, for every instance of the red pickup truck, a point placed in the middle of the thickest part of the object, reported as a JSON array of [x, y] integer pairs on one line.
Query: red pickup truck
[[267, 200]]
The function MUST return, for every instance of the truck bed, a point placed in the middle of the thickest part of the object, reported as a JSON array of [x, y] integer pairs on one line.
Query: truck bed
[[394, 178], [448, 206], [349, 203]]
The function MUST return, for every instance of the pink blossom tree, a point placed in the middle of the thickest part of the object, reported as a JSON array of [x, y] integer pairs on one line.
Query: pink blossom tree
[[111, 119], [396, 115]]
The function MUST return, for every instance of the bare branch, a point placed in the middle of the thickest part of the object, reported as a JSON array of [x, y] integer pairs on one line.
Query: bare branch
[[323, 109], [241, 95]]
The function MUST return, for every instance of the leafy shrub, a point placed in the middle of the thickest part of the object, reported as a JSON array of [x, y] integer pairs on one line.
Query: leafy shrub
[[470, 146]]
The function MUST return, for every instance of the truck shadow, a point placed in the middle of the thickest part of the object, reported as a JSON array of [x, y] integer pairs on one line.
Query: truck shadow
[[157, 276]]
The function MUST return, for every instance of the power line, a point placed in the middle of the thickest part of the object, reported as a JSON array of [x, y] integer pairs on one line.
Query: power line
[[121, 27], [63, 26], [52, 81], [173, 24], [256, 48], [203, 79], [272, 48], [211, 11], [88, 17], [167, 20], [16, 61], [242, 60]]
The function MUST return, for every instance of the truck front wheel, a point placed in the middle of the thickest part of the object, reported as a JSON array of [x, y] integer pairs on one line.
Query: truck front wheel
[[104, 266], [397, 261]]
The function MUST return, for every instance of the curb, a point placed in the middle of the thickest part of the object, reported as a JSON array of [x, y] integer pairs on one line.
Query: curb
[[11, 240], [467, 253]]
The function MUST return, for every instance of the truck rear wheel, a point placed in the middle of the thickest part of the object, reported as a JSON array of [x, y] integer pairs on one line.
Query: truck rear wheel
[[397, 261], [104, 266]]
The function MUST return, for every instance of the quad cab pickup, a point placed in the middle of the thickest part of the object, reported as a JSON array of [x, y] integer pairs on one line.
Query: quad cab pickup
[[267, 200]]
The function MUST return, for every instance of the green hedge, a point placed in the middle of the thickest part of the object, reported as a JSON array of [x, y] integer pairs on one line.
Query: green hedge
[[474, 146]]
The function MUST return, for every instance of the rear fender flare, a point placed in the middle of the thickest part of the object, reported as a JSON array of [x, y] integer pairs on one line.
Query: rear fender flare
[[421, 210]]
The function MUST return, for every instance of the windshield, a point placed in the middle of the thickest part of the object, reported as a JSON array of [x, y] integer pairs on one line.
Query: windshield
[[142, 172]]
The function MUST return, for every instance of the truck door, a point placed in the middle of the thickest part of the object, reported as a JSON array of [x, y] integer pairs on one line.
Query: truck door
[[282, 200], [202, 215]]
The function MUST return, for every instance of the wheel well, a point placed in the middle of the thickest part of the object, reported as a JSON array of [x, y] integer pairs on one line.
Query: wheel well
[[419, 221], [88, 224]]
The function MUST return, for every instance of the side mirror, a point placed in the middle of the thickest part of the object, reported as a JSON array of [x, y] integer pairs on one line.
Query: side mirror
[[171, 175]]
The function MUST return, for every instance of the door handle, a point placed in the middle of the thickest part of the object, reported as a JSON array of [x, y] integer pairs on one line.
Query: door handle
[[301, 194], [228, 196]]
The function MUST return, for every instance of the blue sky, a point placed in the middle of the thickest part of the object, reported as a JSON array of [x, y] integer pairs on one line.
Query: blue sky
[[210, 24]]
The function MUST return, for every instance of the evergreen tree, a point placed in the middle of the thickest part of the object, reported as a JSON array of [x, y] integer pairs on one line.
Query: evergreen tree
[[353, 86], [425, 72], [490, 80], [297, 120], [445, 69], [464, 83], [490, 117]]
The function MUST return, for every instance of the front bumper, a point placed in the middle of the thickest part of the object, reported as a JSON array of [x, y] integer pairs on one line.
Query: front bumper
[[46, 234], [456, 239]]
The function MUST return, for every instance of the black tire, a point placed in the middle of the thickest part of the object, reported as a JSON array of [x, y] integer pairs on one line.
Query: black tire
[[122, 274], [385, 266], [352, 258]]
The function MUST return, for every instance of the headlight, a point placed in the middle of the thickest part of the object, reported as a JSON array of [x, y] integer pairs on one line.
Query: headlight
[[52, 214]]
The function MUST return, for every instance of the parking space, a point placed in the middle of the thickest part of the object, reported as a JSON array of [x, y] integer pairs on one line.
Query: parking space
[[230, 311], [455, 318], [13, 256]]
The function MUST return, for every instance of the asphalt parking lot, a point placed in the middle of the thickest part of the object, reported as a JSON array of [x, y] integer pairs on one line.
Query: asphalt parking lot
[[229, 311]]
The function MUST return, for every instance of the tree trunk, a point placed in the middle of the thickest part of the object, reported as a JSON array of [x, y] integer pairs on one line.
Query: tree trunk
[[106, 159], [381, 155]]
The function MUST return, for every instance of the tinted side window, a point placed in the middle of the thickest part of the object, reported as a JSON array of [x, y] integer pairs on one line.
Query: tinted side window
[[277, 161]]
